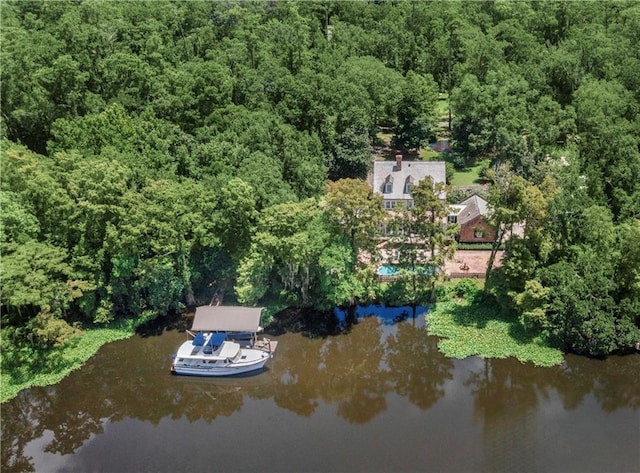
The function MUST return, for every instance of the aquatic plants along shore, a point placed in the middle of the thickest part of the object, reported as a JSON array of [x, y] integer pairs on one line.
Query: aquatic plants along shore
[[48, 369], [469, 328]]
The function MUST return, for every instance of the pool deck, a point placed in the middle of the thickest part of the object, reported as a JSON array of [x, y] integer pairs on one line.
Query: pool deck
[[471, 263], [465, 264]]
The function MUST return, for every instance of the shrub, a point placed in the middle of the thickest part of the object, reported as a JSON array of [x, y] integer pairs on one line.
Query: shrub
[[466, 289], [450, 171], [459, 161], [456, 195], [484, 168]]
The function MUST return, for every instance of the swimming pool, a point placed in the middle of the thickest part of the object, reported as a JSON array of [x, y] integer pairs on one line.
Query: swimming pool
[[392, 270], [387, 270]]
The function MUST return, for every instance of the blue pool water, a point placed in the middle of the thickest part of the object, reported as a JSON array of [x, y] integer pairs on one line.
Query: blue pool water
[[391, 270], [387, 270]]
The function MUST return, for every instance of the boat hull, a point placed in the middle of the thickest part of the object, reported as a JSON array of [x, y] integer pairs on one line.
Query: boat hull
[[256, 359]]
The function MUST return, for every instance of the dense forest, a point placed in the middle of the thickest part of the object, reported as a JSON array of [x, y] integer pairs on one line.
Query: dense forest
[[157, 153]]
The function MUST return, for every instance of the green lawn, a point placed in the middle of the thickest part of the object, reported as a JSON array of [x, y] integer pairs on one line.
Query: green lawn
[[427, 154], [385, 137], [467, 177], [442, 106]]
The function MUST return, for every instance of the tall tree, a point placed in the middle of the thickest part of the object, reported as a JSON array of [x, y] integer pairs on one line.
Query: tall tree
[[607, 125], [514, 202], [355, 211], [354, 215], [237, 216], [164, 231], [284, 254], [422, 242], [383, 84], [415, 111]]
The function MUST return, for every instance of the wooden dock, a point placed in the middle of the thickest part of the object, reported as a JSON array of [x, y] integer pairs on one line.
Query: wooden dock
[[266, 345], [263, 344]]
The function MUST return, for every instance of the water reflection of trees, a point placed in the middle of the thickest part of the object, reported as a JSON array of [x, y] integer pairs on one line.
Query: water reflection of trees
[[353, 376], [418, 370], [619, 387], [19, 427], [111, 387], [343, 369], [611, 381], [502, 383], [507, 394], [354, 372]]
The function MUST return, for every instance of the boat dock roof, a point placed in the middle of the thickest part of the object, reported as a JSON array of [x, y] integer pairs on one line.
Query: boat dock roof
[[222, 318]]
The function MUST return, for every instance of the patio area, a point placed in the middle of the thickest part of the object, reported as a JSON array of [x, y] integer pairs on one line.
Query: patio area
[[471, 263]]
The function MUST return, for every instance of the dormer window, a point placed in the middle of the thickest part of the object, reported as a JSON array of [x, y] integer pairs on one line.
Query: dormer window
[[408, 185], [388, 185]]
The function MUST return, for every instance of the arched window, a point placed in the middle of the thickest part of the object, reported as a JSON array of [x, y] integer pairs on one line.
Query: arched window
[[408, 185], [388, 185]]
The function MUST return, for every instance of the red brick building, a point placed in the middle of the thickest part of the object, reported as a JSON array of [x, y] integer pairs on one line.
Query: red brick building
[[470, 215]]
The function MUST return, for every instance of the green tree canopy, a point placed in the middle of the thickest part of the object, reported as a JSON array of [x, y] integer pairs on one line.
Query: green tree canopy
[[415, 111]]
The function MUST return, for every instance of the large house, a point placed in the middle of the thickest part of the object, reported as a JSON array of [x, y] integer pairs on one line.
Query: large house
[[393, 180], [470, 215]]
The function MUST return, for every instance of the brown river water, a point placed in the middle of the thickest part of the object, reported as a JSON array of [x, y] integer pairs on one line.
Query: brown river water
[[376, 397]]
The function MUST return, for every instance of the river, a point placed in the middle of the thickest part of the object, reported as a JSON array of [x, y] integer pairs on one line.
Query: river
[[376, 397]]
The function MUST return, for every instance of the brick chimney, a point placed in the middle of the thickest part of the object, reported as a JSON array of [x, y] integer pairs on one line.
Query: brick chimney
[[398, 161]]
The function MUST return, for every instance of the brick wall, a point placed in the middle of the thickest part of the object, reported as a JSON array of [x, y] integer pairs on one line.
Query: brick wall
[[468, 230]]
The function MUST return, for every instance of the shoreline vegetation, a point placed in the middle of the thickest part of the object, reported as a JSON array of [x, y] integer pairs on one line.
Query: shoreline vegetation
[[470, 329], [466, 328], [58, 363]]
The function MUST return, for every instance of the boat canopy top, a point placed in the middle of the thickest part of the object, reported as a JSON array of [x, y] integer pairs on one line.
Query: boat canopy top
[[222, 318]]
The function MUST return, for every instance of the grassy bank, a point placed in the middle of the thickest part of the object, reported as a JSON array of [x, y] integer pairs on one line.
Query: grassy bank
[[469, 329], [54, 366]]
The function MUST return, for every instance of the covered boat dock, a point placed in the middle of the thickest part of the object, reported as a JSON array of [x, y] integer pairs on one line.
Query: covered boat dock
[[235, 321]]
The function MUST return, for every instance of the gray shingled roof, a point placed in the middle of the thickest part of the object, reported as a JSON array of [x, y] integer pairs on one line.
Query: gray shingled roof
[[417, 170], [473, 206]]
